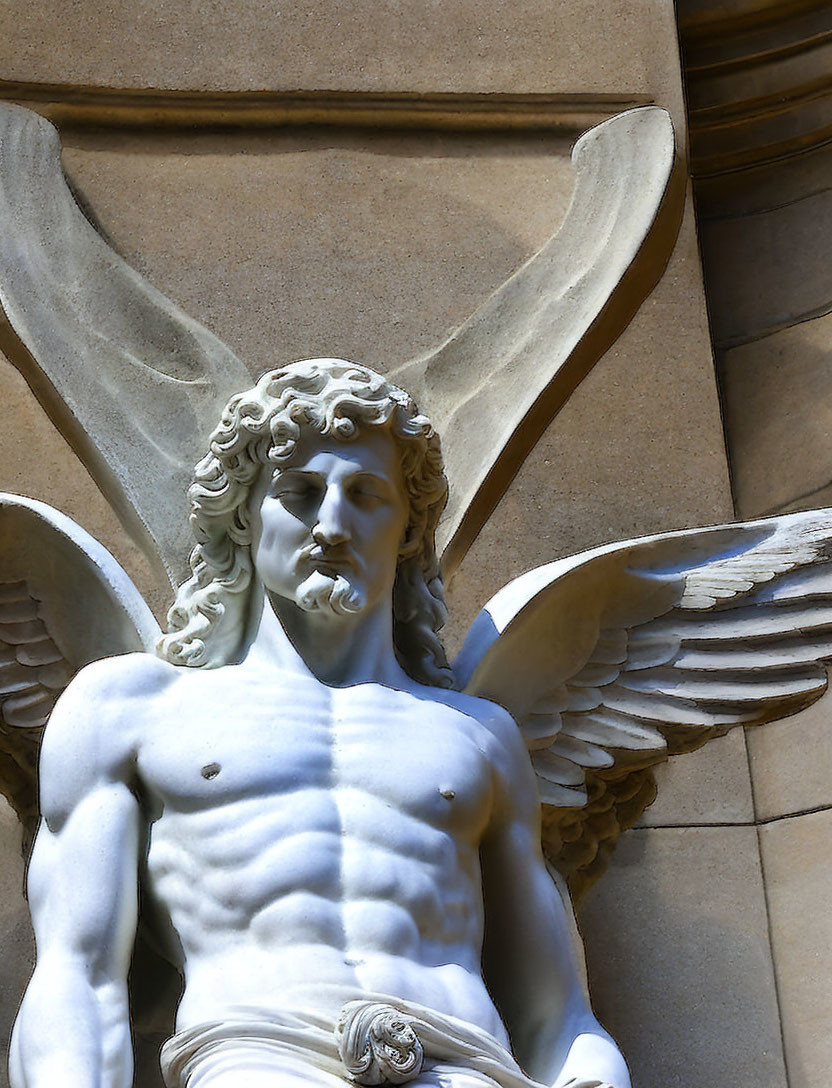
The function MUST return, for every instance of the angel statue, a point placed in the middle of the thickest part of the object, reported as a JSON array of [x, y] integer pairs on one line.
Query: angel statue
[[333, 834]]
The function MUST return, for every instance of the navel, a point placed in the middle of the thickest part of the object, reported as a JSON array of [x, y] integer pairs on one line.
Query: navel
[[211, 770], [447, 793]]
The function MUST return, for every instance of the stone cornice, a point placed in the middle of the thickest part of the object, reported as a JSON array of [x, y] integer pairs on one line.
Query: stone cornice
[[65, 104]]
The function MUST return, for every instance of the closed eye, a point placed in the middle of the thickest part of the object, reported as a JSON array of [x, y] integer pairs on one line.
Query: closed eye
[[370, 491], [297, 486]]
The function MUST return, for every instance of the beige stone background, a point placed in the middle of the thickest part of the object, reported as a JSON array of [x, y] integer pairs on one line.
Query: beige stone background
[[709, 942]]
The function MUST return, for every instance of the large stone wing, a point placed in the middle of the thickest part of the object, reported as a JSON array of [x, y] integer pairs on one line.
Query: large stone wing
[[615, 658], [64, 602], [135, 384], [498, 380], [131, 381]]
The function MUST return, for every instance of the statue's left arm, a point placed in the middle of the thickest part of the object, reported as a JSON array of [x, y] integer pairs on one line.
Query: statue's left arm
[[529, 958]]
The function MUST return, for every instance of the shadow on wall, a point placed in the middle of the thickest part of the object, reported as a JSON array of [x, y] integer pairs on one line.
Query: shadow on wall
[[303, 244], [777, 399], [679, 959]]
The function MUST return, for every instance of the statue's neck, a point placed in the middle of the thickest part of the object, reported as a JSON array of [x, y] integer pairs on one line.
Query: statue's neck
[[339, 650]]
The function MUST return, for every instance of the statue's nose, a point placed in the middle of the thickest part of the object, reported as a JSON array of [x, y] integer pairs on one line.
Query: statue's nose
[[332, 524]]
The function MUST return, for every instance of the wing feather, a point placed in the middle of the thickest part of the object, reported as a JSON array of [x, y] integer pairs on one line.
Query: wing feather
[[40, 653], [760, 654], [649, 648]]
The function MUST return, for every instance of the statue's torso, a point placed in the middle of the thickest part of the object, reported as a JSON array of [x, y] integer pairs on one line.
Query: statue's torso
[[306, 838]]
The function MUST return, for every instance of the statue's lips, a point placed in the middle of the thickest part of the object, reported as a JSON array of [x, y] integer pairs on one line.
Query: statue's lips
[[330, 562], [330, 570]]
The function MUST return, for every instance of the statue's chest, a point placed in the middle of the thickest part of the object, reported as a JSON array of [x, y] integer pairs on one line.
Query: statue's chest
[[211, 743], [364, 751]]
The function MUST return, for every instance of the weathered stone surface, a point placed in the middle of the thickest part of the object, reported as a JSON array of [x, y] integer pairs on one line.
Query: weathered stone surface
[[795, 855], [35, 461], [766, 186], [756, 80], [710, 786], [778, 416], [785, 246], [694, 14], [299, 244], [679, 962], [759, 110], [791, 760], [531, 45]]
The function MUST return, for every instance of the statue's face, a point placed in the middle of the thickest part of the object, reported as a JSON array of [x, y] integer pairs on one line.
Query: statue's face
[[327, 529]]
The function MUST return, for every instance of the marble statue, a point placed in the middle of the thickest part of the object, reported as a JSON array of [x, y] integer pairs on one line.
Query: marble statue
[[339, 848], [319, 809], [333, 833]]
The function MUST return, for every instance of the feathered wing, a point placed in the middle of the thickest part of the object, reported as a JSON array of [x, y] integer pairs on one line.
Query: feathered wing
[[498, 380], [612, 659], [132, 382], [64, 602]]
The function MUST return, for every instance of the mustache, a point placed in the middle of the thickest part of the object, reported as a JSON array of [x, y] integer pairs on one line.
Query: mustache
[[329, 553]]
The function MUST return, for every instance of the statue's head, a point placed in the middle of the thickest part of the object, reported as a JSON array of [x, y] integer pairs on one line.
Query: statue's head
[[259, 437]]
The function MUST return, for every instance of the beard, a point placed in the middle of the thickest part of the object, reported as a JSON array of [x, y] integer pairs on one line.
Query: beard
[[333, 593]]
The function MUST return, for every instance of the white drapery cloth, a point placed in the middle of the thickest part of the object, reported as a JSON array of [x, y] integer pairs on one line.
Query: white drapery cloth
[[377, 1040]]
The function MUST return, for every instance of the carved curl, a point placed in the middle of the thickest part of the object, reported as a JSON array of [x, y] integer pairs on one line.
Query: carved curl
[[378, 1044], [209, 618]]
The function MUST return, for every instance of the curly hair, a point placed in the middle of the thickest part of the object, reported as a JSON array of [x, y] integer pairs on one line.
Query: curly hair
[[208, 620]]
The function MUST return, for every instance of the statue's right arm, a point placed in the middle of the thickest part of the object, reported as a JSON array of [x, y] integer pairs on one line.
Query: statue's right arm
[[73, 1027]]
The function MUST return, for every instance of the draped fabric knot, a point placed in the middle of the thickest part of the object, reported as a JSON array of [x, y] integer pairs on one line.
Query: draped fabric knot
[[378, 1044]]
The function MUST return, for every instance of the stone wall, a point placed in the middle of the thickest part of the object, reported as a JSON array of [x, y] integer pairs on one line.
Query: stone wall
[[354, 179], [760, 110]]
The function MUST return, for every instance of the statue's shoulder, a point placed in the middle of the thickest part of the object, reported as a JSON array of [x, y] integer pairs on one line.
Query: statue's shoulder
[[96, 728], [123, 676], [494, 718], [109, 697]]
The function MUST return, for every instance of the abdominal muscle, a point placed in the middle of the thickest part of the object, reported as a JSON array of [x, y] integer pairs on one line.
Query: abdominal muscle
[[259, 937], [248, 984]]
